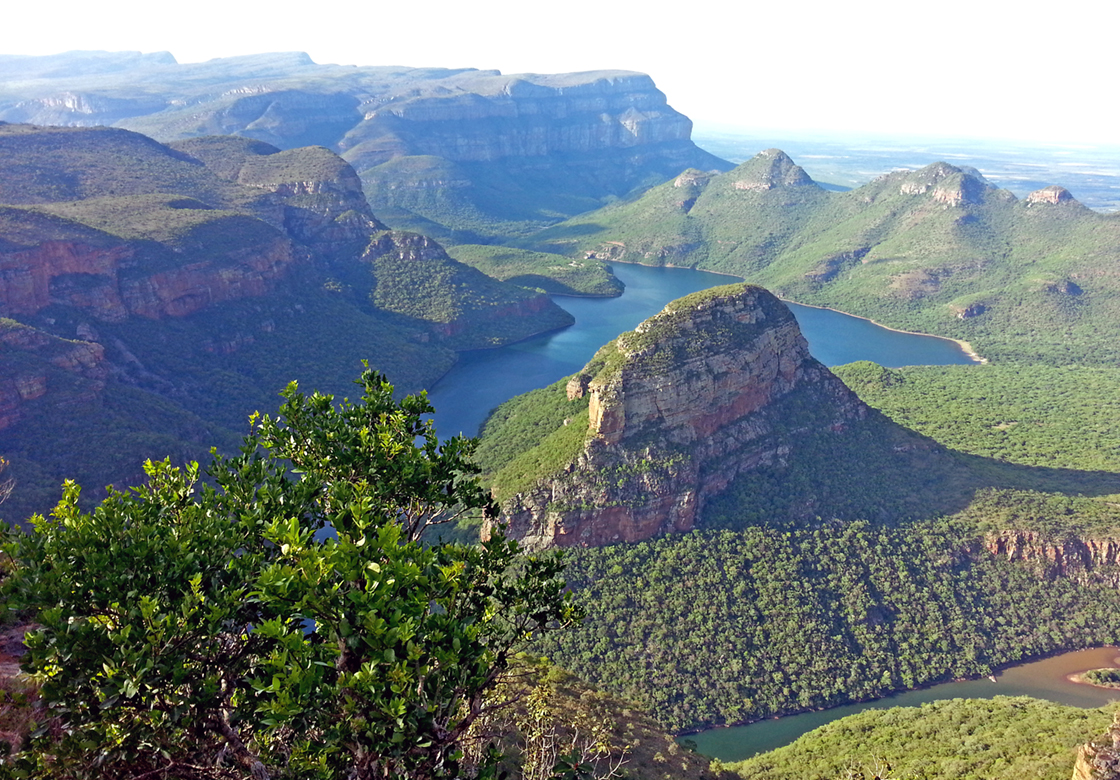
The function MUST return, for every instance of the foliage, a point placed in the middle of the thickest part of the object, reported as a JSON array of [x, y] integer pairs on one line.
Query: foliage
[[1108, 678], [1034, 415], [1003, 738], [531, 436], [555, 274], [197, 378], [559, 714], [729, 626], [468, 307], [284, 621]]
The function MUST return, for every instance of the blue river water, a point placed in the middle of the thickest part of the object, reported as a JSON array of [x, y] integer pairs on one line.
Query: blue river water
[[483, 379]]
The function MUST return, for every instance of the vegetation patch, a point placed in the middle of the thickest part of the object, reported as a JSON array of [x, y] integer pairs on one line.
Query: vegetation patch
[[552, 273], [730, 626], [1005, 738]]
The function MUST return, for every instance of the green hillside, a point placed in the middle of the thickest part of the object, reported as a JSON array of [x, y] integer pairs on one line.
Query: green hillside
[[858, 566], [937, 250], [961, 739], [555, 274]]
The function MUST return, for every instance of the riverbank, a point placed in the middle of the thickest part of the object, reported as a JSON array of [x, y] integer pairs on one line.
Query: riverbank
[[1047, 678], [964, 346]]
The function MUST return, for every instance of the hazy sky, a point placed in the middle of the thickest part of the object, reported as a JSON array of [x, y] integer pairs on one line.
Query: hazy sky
[[1040, 71]]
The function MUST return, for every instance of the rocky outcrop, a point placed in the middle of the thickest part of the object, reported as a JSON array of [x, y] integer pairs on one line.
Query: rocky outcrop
[[28, 358], [1088, 560], [320, 193], [770, 169], [1052, 195], [677, 409], [1100, 759]]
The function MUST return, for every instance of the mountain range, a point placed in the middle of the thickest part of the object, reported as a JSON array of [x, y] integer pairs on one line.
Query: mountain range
[[460, 154], [938, 250]]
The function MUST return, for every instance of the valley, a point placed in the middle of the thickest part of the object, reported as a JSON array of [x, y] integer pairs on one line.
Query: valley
[[766, 507]]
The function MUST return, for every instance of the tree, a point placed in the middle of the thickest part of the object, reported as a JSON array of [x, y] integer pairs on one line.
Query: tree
[[6, 485], [284, 618]]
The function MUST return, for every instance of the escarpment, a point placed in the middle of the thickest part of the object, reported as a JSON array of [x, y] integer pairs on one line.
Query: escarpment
[[152, 296], [1099, 759], [676, 409]]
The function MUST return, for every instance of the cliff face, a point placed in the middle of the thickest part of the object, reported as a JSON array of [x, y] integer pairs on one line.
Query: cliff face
[[1100, 759], [30, 359], [1085, 560], [97, 280], [519, 116], [677, 409]]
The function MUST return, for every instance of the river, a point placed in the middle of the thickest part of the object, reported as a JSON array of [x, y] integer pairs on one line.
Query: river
[[1045, 679], [483, 379]]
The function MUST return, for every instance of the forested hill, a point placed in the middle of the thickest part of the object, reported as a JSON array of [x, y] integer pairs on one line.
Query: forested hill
[[937, 250], [152, 296]]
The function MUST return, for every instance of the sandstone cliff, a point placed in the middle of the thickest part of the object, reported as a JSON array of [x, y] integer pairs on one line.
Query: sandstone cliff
[[487, 116], [676, 410], [1086, 560], [1100, 759]]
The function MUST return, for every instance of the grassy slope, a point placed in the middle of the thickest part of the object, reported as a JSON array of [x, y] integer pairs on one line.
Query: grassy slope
[[552, 273]]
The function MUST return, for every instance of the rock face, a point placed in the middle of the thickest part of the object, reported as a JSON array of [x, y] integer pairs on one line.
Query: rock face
[[520, 116], [677, 409], [90, 278], [1100, 759], [1052, 195], [28, 358], [1084, 560], [770, 169]]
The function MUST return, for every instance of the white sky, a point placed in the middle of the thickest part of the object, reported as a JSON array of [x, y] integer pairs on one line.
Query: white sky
[[971, 68]]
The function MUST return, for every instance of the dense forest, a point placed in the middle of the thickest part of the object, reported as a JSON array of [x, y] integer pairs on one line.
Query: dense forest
[[729, 626]]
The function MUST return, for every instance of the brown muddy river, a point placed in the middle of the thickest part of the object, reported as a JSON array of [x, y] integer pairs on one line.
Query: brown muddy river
[[1046, 679]]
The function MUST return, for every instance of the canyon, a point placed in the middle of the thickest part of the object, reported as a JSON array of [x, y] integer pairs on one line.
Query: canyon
[[129, 266]]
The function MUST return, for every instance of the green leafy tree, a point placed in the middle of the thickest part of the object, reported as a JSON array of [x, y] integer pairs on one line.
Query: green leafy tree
[[283, 618]]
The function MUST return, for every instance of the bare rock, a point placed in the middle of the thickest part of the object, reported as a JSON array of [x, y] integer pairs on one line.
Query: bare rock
[[1052, 195]]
